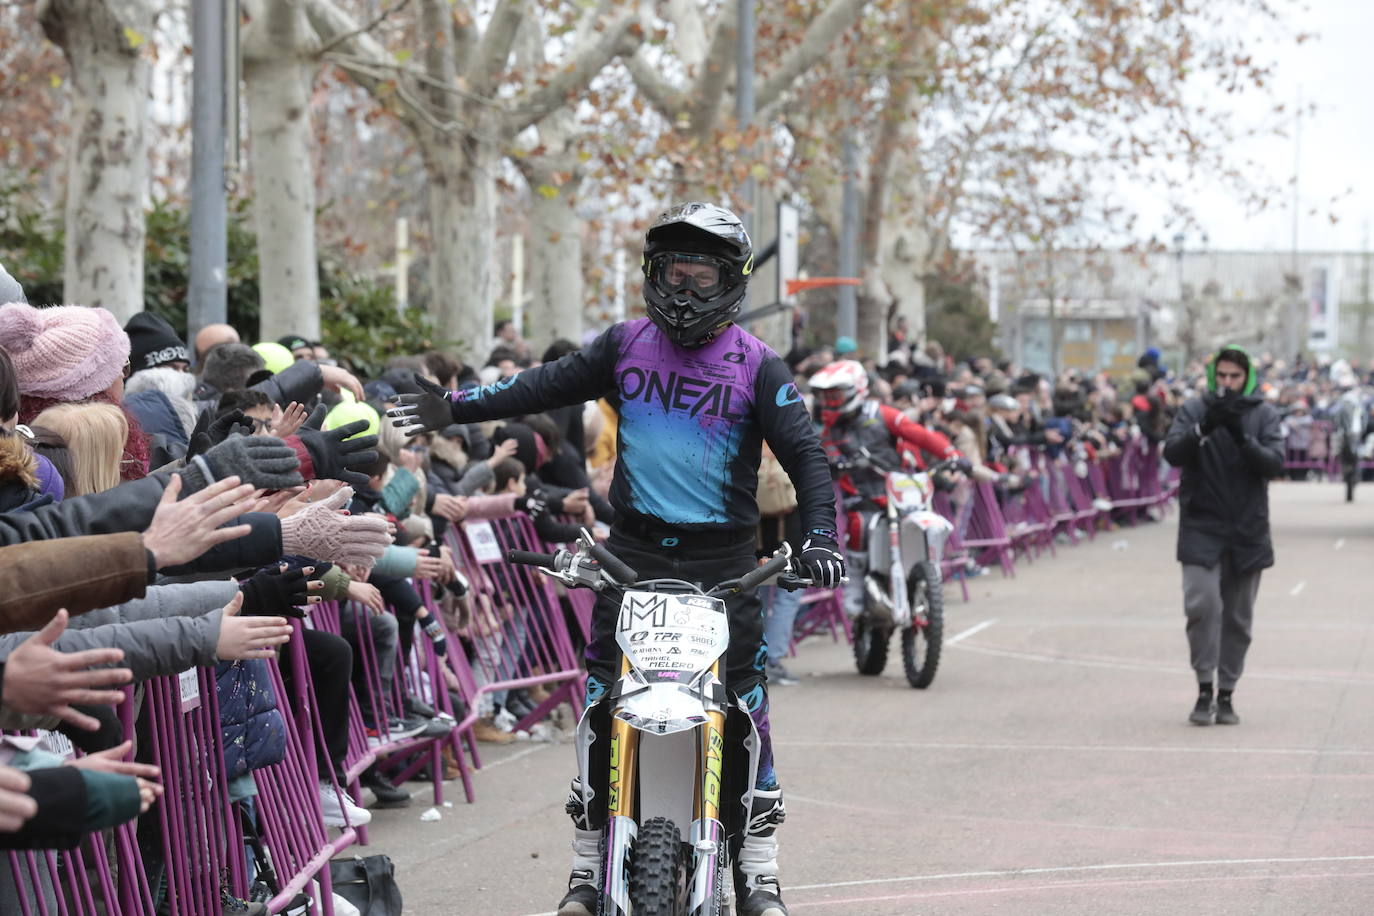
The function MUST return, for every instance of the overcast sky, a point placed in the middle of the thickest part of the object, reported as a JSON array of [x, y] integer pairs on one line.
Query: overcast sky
[[1335, 72]]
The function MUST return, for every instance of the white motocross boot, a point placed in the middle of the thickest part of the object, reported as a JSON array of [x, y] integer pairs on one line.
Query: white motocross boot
[[585, 876], [757, 891]]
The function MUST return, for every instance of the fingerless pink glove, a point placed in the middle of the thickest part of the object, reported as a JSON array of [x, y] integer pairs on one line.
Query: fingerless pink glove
[[321, 532]]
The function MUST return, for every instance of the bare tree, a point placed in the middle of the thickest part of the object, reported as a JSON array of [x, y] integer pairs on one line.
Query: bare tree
[[107, 164], [464, 110]]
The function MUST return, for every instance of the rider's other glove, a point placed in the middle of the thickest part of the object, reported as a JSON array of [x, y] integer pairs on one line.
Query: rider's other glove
[[264, 462], [532, 504], [820, 558], [334, 454], [421, 413]]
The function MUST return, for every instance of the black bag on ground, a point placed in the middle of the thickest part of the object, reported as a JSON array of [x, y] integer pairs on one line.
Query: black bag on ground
[[367, 882]]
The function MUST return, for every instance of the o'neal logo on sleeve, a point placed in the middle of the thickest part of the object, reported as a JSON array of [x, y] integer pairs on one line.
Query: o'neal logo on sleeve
[[678, 391], [787, 394]]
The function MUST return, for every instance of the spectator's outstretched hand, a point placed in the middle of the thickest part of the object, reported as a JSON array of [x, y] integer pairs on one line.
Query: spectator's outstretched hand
[[182, 531], [336, 378], [112, 761], [422, 413], [249, 637], [325, 531], [286, 422], [278, 590], [40, 680], [262, 461], [16, 805], [335, 455], [210, 431]]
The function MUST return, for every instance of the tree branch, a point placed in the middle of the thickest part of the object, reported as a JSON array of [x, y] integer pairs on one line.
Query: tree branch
[[816, 41], [668, 99], [715, 70], [486, 64], [368, 27], [587, 60], [440, 65]]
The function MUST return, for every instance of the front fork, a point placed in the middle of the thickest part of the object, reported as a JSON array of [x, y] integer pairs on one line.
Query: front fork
[[707, 834]]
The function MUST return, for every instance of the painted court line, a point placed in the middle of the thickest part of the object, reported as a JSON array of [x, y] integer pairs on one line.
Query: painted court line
[[1114, 665], [516, 756], [1082, 869], [976, 628], [1088, 748], [1297, 589]]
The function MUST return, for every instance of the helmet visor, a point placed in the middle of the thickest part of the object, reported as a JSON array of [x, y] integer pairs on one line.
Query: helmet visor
[[699, 278], [834, 398]]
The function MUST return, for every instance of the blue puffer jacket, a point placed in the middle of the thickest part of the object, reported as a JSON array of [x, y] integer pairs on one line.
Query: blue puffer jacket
[[254, 732], [157, 416]]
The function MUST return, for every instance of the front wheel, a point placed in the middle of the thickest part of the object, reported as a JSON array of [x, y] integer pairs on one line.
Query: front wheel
[[870, 644], [657, 875], [921, 644]]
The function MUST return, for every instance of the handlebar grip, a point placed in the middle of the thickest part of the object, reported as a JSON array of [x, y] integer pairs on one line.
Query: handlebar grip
[[529, 558], [752, 578], [614, 565]]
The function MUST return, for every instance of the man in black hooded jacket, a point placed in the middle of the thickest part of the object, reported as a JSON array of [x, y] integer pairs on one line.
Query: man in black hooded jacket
[[1229, 445]]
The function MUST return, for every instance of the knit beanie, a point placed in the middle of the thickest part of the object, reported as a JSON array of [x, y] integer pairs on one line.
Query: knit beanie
[[67, 352], [10, 290], [153, 342]]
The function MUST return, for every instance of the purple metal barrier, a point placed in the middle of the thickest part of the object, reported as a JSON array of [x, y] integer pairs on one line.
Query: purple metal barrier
[[201, 840], [985, 530], [83, 880], [1307, 447], [518, 634], [821, 611]]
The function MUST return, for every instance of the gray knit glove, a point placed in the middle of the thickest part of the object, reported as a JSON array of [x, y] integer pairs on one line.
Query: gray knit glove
[[264, 462], [322, 532]]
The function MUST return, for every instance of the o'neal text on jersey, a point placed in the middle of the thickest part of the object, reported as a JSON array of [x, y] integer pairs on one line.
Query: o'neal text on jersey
[[679, 392]]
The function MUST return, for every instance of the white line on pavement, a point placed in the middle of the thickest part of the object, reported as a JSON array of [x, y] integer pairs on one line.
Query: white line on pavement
[[1137, 666], [976, 628], [1340, 542], [1090, 748], [1067, 869], [1297, 589], [513, 757]]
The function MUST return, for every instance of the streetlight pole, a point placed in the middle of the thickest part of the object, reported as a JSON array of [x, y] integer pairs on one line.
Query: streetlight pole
[[206, 303]]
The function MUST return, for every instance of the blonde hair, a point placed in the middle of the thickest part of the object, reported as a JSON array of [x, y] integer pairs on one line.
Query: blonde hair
[[95, 435]]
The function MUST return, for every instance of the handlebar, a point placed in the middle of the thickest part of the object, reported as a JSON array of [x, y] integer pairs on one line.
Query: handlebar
[[530, 558], [612, 564], [777, 564]]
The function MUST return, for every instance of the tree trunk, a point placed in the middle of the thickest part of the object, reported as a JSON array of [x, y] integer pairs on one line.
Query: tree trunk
[[107, 166], [554, 258], [283, 181], [462, 216]]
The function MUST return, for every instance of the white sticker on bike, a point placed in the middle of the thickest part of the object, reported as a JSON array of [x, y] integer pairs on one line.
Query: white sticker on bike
[[670, 632]]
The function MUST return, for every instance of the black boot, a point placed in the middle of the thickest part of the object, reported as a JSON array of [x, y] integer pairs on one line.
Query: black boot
[[757, 891], [1203, 709], [388, 795], [1226, 715]]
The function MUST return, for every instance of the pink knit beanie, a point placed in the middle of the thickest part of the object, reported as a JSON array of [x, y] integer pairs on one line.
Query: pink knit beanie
[[67, 352]]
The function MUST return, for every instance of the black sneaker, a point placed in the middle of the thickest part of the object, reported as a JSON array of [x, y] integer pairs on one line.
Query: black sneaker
[[580, 900], [1202, 711], [1226, 715], [387, 794], [419, 708]]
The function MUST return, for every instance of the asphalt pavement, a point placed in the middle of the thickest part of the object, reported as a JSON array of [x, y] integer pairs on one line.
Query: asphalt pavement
[[1049, 769]]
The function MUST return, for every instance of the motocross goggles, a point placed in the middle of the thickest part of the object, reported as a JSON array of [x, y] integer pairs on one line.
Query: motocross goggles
[[700, 278], [834, 398]]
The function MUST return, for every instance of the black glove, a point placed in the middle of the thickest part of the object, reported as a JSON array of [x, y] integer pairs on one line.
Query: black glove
[[1214, 416], [334, 454], [210, 431], [316, 418], [262, 461], [422, 413], [270, 591], [437, 640], [533, 504], [820, 558], [1231, 422]]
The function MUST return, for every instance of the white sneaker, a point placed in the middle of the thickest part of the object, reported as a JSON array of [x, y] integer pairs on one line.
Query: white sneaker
[[334, 805]]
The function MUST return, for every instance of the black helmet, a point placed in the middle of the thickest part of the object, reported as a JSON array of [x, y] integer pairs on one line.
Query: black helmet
[[697, 260]]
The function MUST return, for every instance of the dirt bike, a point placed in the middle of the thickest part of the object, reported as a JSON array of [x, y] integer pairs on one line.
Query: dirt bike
[[678, 789], [903, 587]]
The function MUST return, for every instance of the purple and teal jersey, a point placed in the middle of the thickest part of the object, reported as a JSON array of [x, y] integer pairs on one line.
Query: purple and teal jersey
[[692, 423]]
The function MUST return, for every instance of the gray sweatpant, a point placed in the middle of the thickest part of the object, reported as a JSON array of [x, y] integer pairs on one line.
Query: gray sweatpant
[[1220, 604]]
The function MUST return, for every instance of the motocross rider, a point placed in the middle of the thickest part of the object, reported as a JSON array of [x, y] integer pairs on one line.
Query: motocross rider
[[850, 424], [696, 397]]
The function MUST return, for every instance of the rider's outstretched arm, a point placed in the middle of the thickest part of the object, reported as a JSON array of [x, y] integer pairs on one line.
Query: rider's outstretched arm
[[584, 375], [792, 437]]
